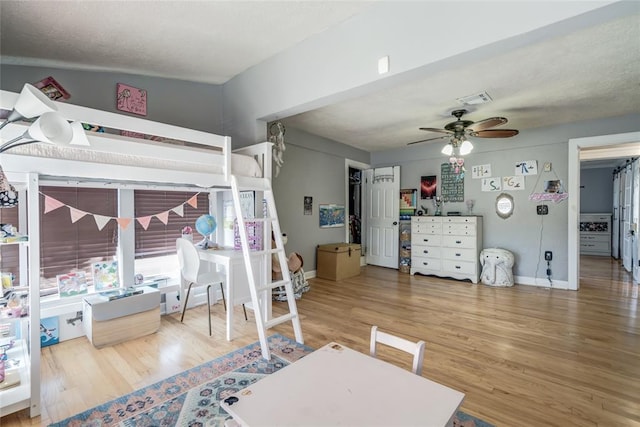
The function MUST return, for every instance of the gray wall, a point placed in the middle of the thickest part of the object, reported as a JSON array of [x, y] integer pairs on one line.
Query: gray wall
[[192, 105], [596, 190], [313, 166]]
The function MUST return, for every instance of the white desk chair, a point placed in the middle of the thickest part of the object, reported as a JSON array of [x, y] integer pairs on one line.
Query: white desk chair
[[414, 348], [194, 271]]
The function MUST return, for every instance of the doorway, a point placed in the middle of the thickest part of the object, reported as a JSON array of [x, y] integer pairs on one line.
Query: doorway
[[355, 231], [606, 146]]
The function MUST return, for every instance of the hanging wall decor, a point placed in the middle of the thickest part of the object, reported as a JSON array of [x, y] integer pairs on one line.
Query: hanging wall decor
[[451, 185], [131, 99]]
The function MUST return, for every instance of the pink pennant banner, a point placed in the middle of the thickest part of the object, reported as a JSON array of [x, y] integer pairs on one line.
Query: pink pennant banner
[[51, 204], [123, 222], [163, 217], [76, 214], [193, 202], [144, 221], [101, 220], [179, 210]]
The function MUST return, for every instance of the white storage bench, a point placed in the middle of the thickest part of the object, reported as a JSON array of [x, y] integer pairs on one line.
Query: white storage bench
[[111, 322]]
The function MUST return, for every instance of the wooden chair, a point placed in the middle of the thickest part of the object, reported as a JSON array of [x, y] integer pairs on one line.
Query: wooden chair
[[194, 272], [414, 348]]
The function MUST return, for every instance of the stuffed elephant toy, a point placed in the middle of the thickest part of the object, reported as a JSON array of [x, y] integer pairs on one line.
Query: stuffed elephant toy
[[496, 267]]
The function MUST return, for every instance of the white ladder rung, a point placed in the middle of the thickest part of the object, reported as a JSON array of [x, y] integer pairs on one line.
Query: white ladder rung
[[263, 220], [265, 252], [281, 319], [273, 285]]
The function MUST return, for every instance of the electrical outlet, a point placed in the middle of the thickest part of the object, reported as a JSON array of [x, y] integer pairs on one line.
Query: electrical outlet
[[542, 209], [548, 255]]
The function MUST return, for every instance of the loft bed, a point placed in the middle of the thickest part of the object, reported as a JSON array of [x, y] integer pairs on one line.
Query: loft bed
[[160, 154], [173, 156]]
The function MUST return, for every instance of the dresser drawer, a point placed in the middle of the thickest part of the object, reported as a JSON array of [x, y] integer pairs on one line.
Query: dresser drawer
[[427, 220], [460, 220], [422, 264], [460, 229], [594, 238], [459, 241], [427, 240], [427, 229], [460, 267], [426, 251], [459, 254]]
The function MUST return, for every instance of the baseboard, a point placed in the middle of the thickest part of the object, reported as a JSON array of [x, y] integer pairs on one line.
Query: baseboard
[[540, 282]]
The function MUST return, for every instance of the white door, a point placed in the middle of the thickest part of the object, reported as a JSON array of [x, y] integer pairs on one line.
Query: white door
[[382, 189], [615, 221], [636, 220], [625, 229]]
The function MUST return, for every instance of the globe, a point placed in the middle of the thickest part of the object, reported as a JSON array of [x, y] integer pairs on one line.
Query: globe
[[206, 224]]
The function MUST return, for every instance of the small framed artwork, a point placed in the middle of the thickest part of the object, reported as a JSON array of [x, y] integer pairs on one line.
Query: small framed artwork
[[71, 284], [331, 216], [49, 333], [428, 186], [131, 99], [308, 205], [54, 90], [105, 275]]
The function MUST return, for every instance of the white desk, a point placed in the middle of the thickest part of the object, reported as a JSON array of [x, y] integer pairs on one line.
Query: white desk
[[339, 386], [236, 284]]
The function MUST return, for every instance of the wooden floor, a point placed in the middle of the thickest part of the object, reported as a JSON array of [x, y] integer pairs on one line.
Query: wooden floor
[[524, 356]]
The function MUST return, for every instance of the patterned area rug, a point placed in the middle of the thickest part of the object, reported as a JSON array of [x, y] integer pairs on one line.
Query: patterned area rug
[[191, 398]]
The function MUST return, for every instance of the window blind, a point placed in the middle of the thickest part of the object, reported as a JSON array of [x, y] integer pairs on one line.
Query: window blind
[[67, 246], [160, 239]]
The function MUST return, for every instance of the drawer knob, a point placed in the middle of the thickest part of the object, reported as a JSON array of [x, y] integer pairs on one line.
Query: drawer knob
[[458, 267], [458, 241], [458, 254]]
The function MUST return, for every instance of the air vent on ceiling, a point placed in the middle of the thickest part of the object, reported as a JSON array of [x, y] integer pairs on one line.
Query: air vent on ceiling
[[480, 98]]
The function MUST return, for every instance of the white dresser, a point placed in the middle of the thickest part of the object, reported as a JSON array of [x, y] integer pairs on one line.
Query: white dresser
[[595, 234], [446, 246]]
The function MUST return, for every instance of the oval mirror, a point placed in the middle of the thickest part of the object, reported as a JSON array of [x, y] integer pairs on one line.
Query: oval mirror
[[504, 205]]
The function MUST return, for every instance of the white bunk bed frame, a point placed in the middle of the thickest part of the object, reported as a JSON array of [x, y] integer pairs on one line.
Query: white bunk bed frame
[[154, 163]]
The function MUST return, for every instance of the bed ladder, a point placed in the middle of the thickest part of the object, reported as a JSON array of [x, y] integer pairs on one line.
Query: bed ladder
[[260, 285]]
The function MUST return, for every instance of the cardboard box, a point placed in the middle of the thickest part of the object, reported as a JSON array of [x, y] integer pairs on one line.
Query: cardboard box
[[337, 261]]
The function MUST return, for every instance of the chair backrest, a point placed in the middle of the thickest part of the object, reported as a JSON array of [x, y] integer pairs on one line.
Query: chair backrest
[[188, 258], [414, 348]]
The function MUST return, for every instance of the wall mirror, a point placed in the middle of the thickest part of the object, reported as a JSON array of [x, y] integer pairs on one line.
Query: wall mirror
[[504, 205]]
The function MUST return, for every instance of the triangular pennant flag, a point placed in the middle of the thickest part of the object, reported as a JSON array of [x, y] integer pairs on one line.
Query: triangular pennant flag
[[123, 222], [76, 214], [163, 217], [101, 220], [193, 202], [144, 221], [51, 204], [179, 210]]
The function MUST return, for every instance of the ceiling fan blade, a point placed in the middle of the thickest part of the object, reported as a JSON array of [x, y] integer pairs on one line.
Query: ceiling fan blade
[[495, 133], [487, 123], [436, 130], [430, 139]]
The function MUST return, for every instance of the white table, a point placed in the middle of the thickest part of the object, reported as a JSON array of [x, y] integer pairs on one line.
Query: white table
[[236, 284], [339, 386]]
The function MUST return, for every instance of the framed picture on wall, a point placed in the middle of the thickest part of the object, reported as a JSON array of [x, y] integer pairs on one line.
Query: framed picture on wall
[[428, 186], [131, 99], [331, 216]]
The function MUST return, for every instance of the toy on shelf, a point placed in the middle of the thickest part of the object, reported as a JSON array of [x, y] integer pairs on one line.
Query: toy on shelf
[[9, 234]]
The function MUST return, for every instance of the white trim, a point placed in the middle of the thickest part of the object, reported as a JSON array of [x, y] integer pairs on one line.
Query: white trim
[[542, 283], [573, 187]]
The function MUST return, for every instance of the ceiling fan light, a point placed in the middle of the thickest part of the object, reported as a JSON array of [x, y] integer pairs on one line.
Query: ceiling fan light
[[447, 150], [466, 147]]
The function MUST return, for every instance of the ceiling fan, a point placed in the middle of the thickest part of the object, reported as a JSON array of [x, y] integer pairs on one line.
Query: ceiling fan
[[458, 131]]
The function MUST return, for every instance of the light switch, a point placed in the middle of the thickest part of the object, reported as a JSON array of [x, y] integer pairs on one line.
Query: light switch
[[383, 65]]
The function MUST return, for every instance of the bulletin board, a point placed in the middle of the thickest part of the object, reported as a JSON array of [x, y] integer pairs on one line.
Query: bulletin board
[[451, 184]]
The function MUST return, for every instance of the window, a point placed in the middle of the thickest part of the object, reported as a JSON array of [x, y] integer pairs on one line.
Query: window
[[66, 246], [9, 254]]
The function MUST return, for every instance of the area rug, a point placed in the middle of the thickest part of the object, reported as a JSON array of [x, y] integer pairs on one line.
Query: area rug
[[191, 398]]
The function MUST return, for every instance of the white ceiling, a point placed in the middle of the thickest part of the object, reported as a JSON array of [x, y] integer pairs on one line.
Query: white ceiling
[[591, 73]]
